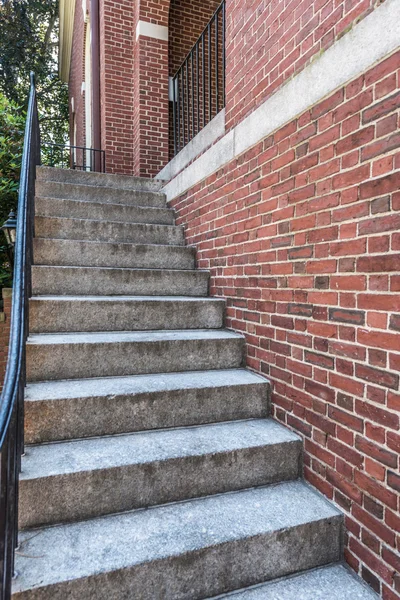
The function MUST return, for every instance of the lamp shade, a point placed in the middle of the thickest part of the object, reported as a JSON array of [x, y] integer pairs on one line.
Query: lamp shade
[[10, 228]]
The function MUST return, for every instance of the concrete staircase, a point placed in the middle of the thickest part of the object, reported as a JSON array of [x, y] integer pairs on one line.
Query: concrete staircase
[[152, 470]]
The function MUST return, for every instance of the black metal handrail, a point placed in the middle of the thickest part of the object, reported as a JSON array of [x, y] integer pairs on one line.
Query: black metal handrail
[[79, 158], [12, 397], [198, 87]]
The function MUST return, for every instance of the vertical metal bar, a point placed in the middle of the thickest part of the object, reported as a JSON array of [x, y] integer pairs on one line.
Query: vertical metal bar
[[209, 72], [188, 100], [174, 113], [223, 53], [197, 87], [203, 58], [179, 111], [192, 84], [216, 63], [183, 108]]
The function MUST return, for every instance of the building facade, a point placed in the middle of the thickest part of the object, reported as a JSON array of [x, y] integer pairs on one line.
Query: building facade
[[278, 141]]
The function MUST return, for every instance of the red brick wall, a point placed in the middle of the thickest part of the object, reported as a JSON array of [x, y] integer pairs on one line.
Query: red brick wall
[[301, 235], [77, 77], [5, 317], [268, 42], [116, 84]]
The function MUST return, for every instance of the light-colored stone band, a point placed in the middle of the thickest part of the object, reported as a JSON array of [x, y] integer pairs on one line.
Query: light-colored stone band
[[158, 32]]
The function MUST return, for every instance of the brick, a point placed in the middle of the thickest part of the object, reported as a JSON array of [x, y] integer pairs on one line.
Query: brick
[[381, 109], [377, 376], [376, 452], [326, 362], [347, 316], [321, 391], [380, 186]]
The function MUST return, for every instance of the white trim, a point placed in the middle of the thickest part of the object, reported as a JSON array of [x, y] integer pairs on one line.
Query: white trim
[[375, 37], [203, 140], [158, 32]]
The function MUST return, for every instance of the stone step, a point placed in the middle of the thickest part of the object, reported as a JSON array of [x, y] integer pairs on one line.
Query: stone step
[[58, 207], [103, 254], [60, 410], [84, 281], [84, 479], [83, 355], [194, 549], [77, 191], [108, 231], [334, 582], [126, 182], [55, 314]]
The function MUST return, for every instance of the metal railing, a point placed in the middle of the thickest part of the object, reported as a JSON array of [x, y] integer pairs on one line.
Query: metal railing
[[73, 157], [12, 397], [198, 87]]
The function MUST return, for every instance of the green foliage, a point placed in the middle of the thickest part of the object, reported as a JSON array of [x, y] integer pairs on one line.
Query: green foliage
[[12, 124], [28, 42]]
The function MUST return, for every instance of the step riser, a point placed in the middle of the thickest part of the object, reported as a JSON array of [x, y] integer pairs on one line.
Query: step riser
[[208, 572], [100, 231], [90, 494], [74, 418], [99, 194], [53, 316], [56, 207], [98, 254], [77, 361], [97, 179], [67, 281]]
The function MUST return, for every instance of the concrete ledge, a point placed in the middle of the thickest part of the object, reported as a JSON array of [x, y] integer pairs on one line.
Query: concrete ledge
[[370, 41], [203, 140]]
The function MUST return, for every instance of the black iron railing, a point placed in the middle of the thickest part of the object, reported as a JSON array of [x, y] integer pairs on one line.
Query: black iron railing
[[12, 397], [73, 157], [198, 88]]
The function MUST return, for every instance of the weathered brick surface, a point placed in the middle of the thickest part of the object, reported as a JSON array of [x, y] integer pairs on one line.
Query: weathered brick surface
[[117, 84], [269, 42], [77, 77], [5, 317], [300, 234]]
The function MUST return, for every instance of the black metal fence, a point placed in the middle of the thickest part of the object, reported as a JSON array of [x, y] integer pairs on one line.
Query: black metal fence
[[73, 157], [198, 88], [12, 397]]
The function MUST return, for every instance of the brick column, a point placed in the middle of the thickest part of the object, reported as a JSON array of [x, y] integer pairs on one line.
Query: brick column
[[5, 318], [151, 88]]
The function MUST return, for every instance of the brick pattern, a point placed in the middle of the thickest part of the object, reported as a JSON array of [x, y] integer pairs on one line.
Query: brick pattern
[[116, 84], [269, 42], [76, 78], [301, 235], [5, 318]]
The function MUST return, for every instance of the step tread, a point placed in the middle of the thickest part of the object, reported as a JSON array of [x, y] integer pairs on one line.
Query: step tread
[[87, 203], [134, 247], [74, 220], [54, 174], [75, 551], [335, 582], [122, 298], [71, 184], [64, 458], [139, 384], [113, 337]]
